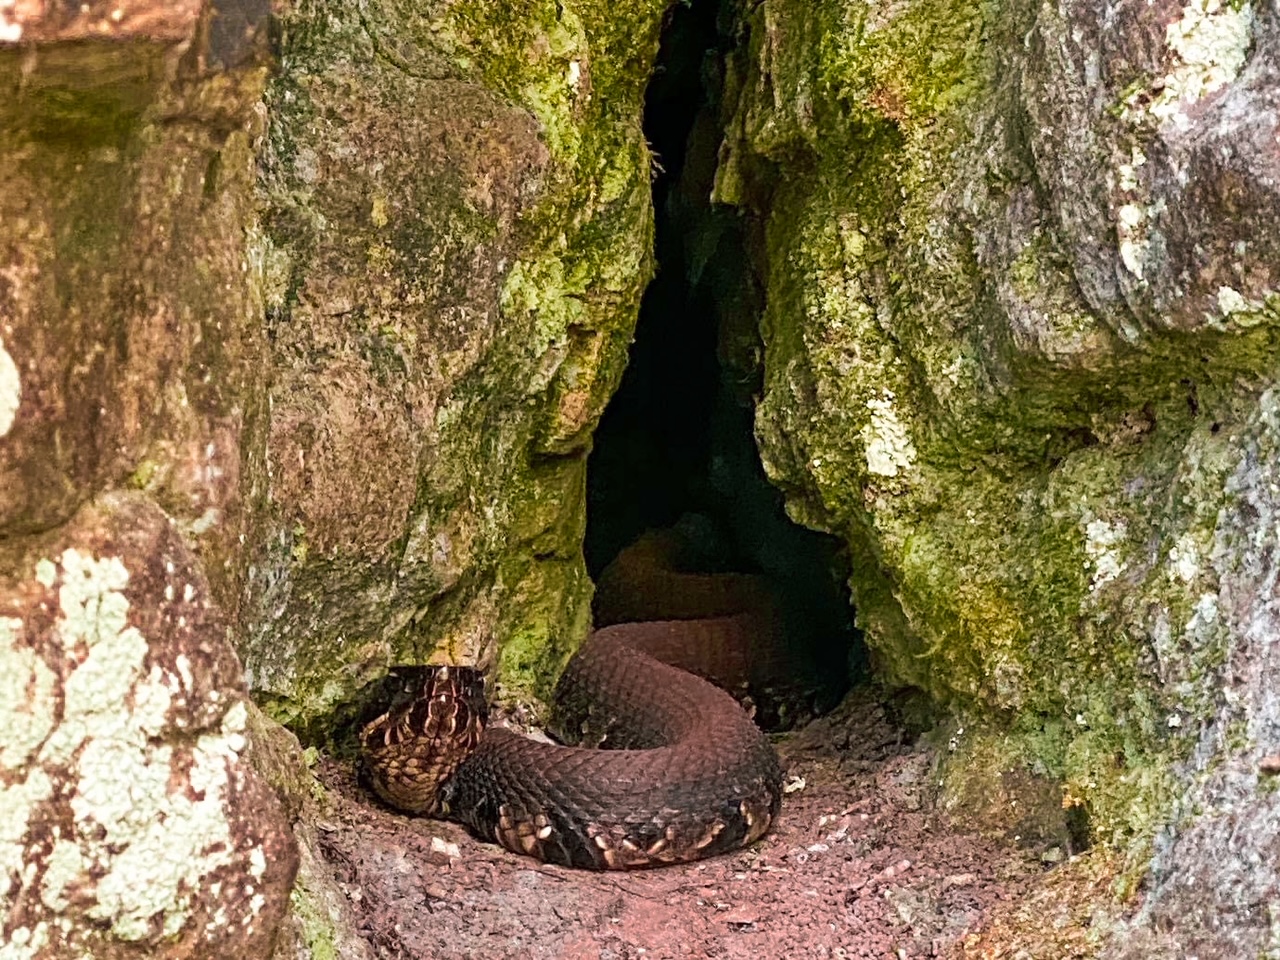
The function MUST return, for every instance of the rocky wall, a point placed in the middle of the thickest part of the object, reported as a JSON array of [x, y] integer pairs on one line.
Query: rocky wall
[[132, 823], [456, 230], [1020, 263], [306, 318]]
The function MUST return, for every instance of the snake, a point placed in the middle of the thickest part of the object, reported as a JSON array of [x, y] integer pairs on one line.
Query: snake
[[655, 764]]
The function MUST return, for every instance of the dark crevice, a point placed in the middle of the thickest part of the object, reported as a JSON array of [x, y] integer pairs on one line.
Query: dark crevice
[[1078, 828], [676, 444]]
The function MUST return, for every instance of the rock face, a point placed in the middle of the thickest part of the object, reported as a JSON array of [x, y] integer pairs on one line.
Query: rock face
[[456, 233], [1020, 265], [130, 822], [133, 825], [313, 361], [334, 343]]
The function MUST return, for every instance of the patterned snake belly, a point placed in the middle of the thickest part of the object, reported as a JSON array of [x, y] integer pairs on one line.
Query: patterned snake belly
[[684, 772]]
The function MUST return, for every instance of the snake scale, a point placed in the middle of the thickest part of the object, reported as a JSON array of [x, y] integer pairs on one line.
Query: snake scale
[[684, 774]]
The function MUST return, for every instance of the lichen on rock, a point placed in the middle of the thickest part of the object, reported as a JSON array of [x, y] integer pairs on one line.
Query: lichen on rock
[[1045, 233], [456, 234], [10, 389], [133, 824]]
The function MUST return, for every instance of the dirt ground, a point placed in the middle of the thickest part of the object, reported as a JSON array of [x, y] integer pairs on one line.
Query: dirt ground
[[858, 866]]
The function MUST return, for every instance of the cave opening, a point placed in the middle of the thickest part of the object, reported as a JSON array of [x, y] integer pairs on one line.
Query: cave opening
[[675, 448]]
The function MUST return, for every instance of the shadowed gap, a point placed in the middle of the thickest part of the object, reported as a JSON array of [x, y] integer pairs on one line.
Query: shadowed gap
[[676, 444]]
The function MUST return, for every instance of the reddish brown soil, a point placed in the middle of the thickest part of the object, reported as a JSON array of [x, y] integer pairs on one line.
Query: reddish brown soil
[[858, 866]]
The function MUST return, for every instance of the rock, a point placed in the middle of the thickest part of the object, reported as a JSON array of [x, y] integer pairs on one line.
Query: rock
[[129, 323], [134, 824], [1215, 876], [323, 920], [1022, 307], [454, 256]]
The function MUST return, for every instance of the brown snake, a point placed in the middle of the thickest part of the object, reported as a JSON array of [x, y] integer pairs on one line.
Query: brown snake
[[687, 773]]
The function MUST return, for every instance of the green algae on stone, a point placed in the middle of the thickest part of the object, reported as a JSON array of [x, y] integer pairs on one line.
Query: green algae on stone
[[1029, 483], [536, 648], [456, 235], [141, 749], [316, 932]]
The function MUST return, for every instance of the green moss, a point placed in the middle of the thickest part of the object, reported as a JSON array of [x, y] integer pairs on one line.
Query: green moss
[[487, 566], [317, 931], [543, 291], [579, 69], [299, 549], [553, 600], [527, 50], [1030, 522], [143, 474], [911, 68], [997, 593]]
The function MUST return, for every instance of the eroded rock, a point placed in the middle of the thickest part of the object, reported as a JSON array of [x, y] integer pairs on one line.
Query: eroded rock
[[132, 823], [456, 231], [1020, 340]]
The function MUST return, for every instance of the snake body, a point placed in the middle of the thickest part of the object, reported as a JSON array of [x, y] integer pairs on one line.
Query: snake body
[[656, 765]]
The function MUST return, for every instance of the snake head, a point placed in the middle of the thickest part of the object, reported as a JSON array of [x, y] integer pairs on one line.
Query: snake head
[[432, 722]]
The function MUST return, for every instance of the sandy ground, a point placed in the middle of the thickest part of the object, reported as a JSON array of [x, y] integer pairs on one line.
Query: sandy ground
[[858, 866]]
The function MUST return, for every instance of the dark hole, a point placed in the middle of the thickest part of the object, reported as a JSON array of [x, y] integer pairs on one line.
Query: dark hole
[[1193, 400], [1077, 818], [212, 178], [676, 448]]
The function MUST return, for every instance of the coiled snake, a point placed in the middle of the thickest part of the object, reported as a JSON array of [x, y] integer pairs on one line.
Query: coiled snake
[[687, 773]]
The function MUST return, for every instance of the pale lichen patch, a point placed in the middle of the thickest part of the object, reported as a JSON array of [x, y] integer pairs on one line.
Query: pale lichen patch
[[10, 384], [1184, 559], [10, 29], [1209, 44], [26, 709], [1136, 234], [889, 448], [93, 628], [1129, 171], [1101, 546], [64, 867], [1231, 301], [146, 829], [17, 803], [1239, 310], [1204, 617], [46, 573], [1133, 242], [1210, 41], [26, 943], [257, 862], [26, 698]]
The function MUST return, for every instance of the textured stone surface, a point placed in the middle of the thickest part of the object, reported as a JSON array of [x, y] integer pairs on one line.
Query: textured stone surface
[[130, 324], [456, 233], [43, 21], [352, 339], [133, 825], [322, 922], [1215, 882], [1020, 270]]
